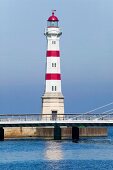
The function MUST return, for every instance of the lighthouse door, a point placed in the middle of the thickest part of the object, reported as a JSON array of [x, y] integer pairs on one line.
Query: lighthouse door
[[54, 115]]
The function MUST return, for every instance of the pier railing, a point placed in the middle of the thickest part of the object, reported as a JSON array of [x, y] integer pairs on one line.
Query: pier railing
[[49, 117]]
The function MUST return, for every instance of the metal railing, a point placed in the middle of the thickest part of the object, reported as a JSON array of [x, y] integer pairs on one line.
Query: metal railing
[[48, 117]]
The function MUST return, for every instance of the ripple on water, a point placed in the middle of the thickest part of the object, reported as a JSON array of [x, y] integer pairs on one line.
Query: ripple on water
[[88, 153]]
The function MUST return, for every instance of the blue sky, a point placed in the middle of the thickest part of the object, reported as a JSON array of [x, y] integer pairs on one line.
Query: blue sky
[[86, 53]]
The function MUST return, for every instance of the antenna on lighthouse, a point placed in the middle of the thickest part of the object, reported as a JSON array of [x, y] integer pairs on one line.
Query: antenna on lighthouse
[[54, 10]]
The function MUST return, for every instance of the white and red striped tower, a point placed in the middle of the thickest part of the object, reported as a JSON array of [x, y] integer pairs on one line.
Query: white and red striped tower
[[53, 100]]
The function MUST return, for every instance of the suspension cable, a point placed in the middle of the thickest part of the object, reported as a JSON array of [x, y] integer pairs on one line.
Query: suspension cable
[[107, 111], [99, 108]]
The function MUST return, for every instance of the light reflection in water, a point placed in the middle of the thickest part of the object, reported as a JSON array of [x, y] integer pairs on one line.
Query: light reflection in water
[[53, 151]]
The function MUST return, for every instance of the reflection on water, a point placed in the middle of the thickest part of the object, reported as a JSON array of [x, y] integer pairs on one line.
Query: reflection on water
[[87, 154], [53, 152]]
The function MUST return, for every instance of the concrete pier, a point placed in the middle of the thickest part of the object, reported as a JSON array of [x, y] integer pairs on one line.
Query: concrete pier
[[75, 134], [48, 132], [1, 134]]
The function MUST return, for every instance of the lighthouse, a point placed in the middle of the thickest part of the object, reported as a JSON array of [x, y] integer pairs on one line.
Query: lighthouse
[[53, 100]]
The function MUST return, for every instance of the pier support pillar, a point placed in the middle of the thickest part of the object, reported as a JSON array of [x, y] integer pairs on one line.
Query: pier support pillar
[[57, 132], [1, 134], [75, 134]]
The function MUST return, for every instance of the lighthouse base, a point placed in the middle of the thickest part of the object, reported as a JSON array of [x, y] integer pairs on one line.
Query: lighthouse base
[[53, 104]]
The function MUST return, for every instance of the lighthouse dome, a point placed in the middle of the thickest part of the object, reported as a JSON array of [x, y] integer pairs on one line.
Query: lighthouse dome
[[53, 18]]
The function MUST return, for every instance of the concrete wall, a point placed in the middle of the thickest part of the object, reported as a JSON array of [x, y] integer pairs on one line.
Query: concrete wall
[[48, 133], [93, 132]]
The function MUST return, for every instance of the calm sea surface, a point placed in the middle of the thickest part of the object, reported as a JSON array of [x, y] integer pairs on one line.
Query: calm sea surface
[[34, 154]]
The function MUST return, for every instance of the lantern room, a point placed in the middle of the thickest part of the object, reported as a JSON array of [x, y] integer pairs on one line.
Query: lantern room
[[53, 21]]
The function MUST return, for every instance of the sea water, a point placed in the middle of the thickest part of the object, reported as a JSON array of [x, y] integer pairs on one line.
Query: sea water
[[35, 154]]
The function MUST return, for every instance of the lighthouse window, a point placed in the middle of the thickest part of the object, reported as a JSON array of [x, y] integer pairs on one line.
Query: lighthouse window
[[54, 88], [53, 64], [52, 24], [53, 42]]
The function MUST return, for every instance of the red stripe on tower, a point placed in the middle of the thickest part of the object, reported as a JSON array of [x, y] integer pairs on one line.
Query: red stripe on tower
[[53, 76], [53, 54]]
